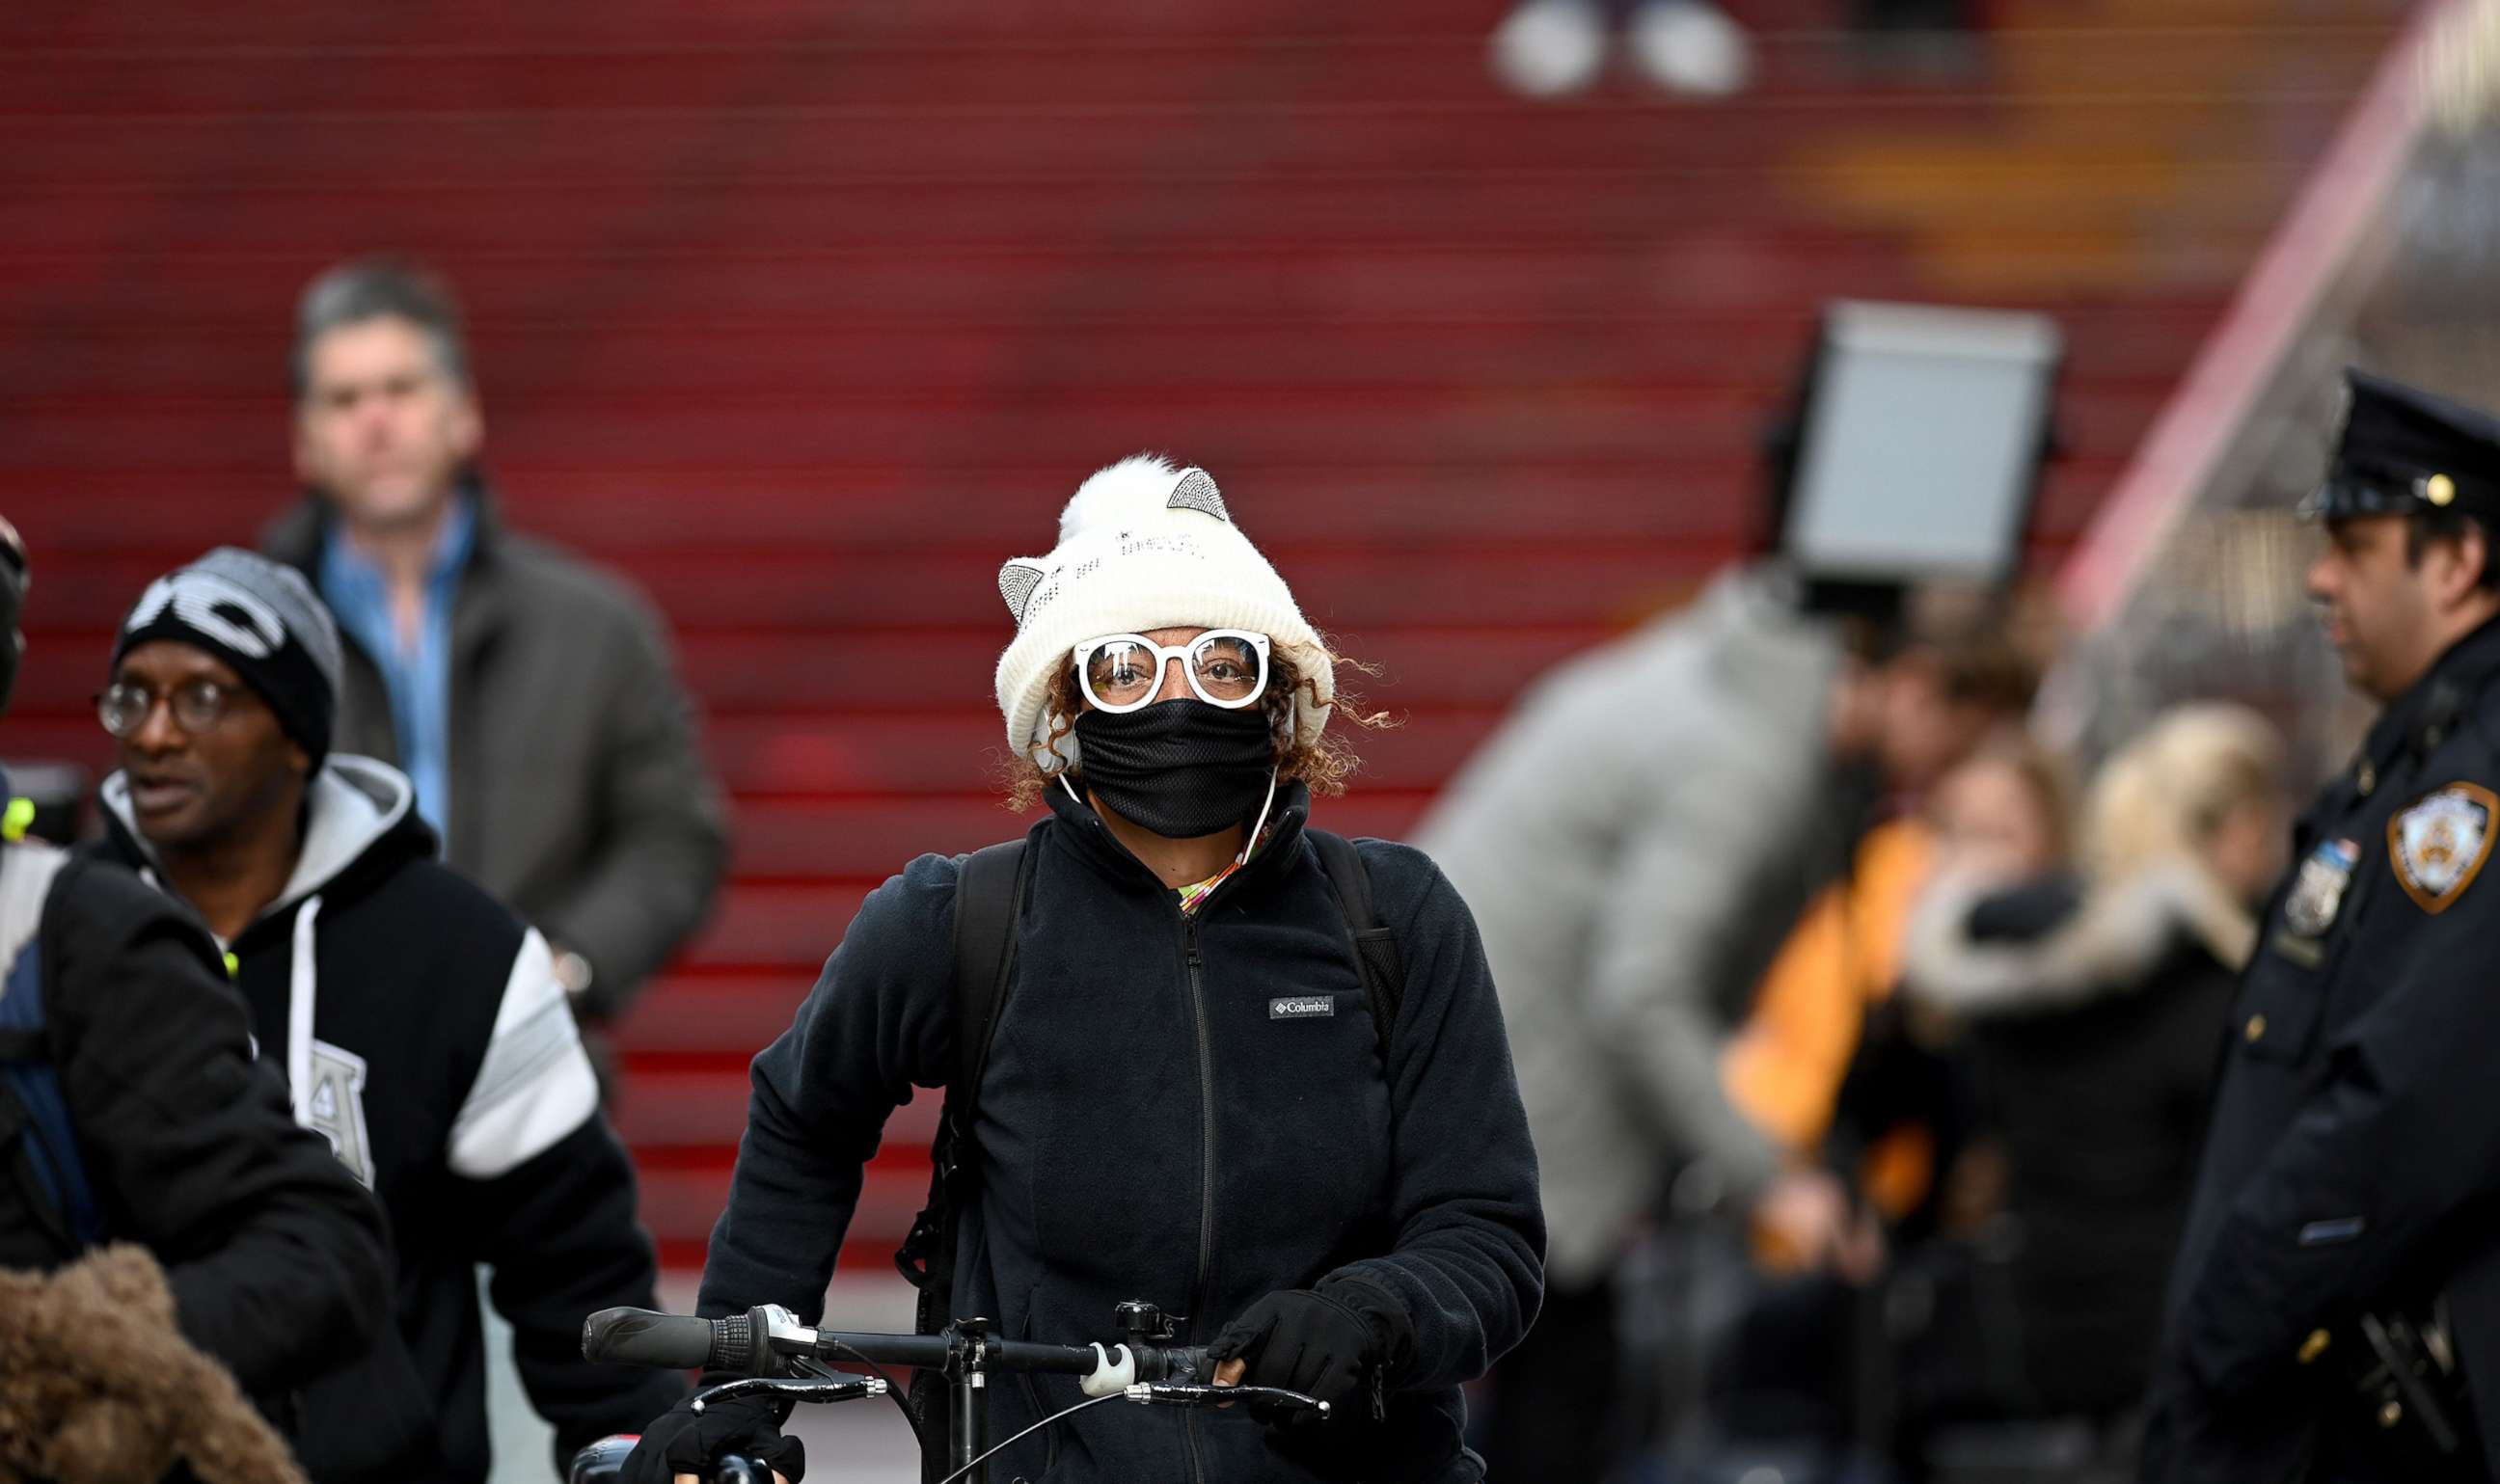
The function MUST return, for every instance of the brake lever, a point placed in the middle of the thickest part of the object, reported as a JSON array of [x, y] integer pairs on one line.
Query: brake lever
[[1180, 1394], [795, 1391]]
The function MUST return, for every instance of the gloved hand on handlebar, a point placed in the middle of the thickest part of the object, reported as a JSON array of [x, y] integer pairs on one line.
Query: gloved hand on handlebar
[[683, 1441], [1329, 1345]]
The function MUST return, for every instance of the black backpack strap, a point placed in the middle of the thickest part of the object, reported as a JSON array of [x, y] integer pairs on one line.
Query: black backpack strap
[[1376, 944], [989, 888], [989, 892]]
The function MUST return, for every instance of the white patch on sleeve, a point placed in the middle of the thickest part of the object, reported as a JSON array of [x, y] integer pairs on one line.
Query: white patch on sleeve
[[535, 1085]]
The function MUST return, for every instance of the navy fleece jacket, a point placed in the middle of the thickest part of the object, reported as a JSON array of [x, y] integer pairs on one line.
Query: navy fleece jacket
[[1150, 1129]]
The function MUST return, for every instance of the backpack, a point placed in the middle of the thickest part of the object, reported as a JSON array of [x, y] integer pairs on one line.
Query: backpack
[[990, 890], [31, 1101]]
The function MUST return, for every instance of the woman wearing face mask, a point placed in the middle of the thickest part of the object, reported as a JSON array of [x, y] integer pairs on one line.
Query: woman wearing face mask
[[1186, 1098]]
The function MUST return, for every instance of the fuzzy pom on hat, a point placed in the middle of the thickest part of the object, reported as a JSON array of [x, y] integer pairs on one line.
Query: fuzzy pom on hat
[[1144, 545]]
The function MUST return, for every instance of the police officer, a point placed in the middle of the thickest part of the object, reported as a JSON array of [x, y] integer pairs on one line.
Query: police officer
[[2335, 1310]]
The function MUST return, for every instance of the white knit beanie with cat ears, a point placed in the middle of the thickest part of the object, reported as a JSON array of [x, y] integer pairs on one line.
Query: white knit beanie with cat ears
[[1144, 545]]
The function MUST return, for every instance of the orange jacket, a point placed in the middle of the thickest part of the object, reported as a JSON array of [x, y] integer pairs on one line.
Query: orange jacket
[[1784, 1067]]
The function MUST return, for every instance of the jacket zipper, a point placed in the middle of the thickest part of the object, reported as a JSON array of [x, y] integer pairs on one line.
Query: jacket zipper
[[1199, 1297], [1206, 1163]]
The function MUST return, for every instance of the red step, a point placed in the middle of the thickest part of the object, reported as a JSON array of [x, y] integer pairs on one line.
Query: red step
[[680, 1204], [671, 1110], [1076, 431], [145, 520], [772, 926], [715, 1015], [694, 355], [781, 589], [1445, 64], [907, 756], [869, 838], [832, 675]]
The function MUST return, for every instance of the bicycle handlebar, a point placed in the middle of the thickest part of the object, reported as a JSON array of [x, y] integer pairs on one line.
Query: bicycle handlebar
[[755, 1342], [761, 1347], [638, 1336]]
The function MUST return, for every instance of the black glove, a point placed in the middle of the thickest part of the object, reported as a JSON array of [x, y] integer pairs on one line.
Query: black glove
[[683, 1441], [1322, 1346]]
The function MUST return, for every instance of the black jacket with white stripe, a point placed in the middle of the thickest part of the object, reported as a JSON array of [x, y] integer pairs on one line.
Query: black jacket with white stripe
[[420, 1027]]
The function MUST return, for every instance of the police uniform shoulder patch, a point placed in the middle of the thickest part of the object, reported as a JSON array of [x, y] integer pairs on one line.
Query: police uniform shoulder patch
[[2438, 844]]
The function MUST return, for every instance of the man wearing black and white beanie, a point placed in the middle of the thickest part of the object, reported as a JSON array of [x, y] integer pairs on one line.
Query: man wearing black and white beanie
[[263, 622], [138, 1116], [419, 1024]]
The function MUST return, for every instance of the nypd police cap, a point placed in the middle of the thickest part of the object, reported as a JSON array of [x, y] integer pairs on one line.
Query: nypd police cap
[[2406, 452]]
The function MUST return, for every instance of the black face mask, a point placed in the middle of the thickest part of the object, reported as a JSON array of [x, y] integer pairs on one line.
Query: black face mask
[[1181, 768]]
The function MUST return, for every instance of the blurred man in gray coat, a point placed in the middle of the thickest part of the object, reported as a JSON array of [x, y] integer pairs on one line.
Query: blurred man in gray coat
[[530, 695], [1636, 842]]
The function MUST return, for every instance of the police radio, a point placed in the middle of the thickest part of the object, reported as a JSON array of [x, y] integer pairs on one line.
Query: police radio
[[2409, 1382]]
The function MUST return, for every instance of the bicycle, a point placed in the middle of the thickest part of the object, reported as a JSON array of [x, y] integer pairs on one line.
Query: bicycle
[[1141, 1368]]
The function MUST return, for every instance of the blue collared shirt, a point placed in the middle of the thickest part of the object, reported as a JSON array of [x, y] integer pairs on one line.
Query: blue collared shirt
[[419, 675]]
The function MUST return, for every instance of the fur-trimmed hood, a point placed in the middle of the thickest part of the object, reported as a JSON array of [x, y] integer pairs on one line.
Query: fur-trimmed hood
[[2045, 950], [98, 1384]]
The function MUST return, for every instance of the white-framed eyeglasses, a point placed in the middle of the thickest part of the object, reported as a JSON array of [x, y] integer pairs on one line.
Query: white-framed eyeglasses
[[1227, 667]]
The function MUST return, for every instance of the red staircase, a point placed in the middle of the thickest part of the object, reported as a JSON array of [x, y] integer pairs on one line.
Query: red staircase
[[808, 315]]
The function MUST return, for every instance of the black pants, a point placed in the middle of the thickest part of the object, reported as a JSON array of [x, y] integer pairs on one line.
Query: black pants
[[1555, 1415]]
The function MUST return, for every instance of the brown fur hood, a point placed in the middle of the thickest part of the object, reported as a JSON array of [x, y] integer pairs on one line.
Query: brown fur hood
[[97, 1386]]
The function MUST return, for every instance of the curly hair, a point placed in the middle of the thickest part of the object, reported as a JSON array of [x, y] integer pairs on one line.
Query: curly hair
[[1323, 765]]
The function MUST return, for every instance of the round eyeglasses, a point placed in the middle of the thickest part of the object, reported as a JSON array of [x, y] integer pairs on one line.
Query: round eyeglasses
[[1227, 667], [197, 705]]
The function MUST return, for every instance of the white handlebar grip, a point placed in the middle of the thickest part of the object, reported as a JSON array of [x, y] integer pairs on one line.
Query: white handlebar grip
[[1109, 1379]]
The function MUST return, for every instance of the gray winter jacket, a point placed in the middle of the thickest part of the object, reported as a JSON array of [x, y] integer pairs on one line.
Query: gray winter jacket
[[579, 794], [1635, 842]]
